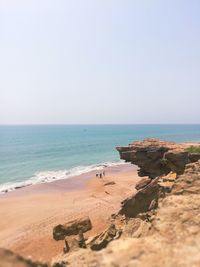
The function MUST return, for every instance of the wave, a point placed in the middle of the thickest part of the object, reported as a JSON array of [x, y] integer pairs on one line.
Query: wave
[[50, 176]]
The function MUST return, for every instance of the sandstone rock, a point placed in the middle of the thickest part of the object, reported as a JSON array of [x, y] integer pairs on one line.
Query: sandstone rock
[[74, 244], [171, 177], [102, 240], [72, 228], [135, 227], [193, 157], [142, 200], [166, 186], [10, 259], [189, 182], [156, 157], [142, 183]]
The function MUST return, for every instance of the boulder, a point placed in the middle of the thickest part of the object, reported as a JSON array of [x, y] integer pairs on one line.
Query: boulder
[[143, 201], [72, 228], [101, 241]]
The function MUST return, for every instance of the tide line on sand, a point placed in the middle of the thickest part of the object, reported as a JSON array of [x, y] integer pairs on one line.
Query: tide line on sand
[[50, 176]]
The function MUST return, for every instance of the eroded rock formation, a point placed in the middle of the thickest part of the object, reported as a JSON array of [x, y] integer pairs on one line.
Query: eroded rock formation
[[72, 228], [155, 157], [144, 200], [160, 224], [167, 235], [102, 240]]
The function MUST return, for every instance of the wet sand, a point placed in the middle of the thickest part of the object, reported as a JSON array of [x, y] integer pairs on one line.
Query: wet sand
[[29, 214]]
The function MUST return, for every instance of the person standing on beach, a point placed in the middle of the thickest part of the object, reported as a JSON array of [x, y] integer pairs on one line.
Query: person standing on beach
[[104, 173]]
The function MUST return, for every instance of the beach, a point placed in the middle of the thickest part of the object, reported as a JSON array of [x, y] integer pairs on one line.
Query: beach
[[29, 214]]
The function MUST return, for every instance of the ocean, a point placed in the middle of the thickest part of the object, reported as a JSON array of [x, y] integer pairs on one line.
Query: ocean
[[43, 153]]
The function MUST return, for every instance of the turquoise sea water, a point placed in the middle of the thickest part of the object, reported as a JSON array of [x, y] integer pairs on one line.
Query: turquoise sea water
[[32, 154]]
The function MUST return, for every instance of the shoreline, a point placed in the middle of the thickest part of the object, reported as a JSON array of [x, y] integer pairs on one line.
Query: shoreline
[[38, 208], [44, 177]]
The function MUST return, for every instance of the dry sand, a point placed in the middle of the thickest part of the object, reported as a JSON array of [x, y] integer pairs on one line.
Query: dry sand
[[29, 214]]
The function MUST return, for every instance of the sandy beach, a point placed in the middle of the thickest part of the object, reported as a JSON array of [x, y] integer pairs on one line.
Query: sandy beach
[[29, 214]]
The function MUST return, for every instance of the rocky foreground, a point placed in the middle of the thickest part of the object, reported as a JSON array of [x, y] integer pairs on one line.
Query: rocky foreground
[[157, 226]]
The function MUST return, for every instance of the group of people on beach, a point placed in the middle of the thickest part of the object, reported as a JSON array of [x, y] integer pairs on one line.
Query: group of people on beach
[[100, 175]]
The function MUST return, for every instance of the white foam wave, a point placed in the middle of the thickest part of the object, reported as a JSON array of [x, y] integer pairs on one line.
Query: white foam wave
[[50, 176]]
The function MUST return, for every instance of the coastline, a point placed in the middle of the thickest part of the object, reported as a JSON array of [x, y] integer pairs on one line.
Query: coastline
[[38, 208], [51, 176], [33, 156]]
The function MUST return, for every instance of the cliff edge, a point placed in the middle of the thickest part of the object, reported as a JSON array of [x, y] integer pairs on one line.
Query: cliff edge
[[155, 157]]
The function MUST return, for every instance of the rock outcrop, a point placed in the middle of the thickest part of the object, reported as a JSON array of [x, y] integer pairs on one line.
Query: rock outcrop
[[10, 259], [160, 224], [72, 228], [155, 157], [144, 200], [142, 183], [102, 240], [168, 235]]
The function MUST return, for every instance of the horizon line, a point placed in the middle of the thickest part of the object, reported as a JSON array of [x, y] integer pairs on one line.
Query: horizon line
[[93, 124]]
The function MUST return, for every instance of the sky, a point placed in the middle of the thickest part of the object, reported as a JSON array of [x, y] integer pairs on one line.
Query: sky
[[99, 61]]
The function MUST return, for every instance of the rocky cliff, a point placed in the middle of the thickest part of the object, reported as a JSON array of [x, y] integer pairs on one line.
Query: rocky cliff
[[165, 233], [155, 157], [160, 224]]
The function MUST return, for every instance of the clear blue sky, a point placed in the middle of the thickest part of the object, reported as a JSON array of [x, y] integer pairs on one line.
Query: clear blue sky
[[99, 61]]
